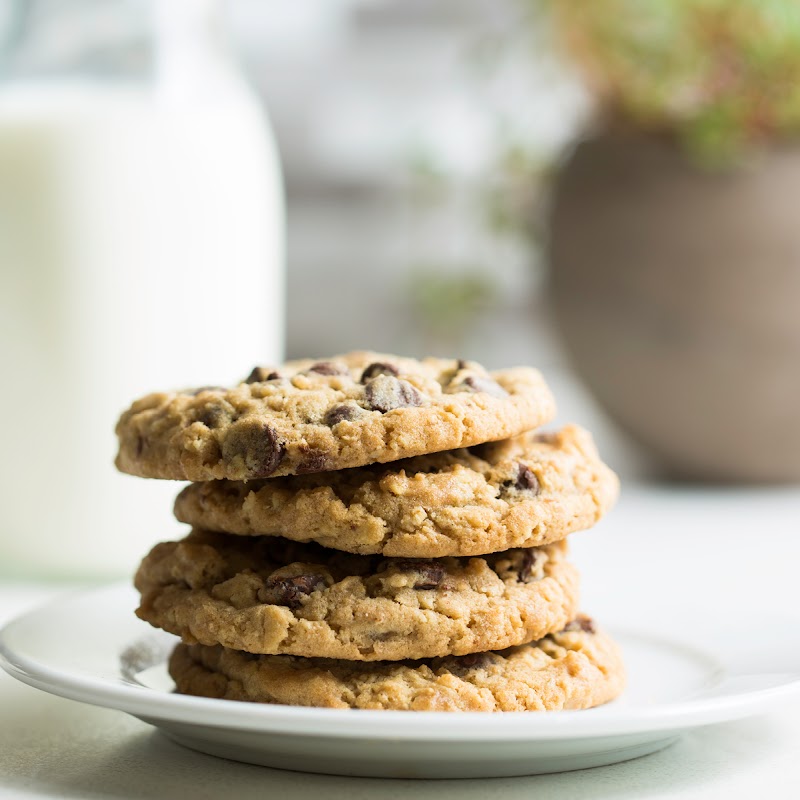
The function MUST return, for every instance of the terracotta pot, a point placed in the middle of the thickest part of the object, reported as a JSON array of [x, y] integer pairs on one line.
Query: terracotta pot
[[677, 292]]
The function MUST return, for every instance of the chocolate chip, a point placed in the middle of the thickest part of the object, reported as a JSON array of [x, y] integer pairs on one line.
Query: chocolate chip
[[340, 413], [463, 666], [386, 392], [527, 480], [289, 591], [262, 374], [213, 416], [327, 368], [527, 563], [461, 364], [475, 660], [481, 383], [313, 461], [378, 368], [429, 573], [581, 623], [257, 444]]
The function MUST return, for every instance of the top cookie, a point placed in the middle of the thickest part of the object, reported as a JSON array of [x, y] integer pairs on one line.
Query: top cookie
[[314, 416]]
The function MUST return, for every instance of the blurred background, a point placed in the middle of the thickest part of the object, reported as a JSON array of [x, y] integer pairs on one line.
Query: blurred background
[[607, 191]]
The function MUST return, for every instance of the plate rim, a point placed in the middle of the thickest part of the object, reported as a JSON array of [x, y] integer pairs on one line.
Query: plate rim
[[424, 726]]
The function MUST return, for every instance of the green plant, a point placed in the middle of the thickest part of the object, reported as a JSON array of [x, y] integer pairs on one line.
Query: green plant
[[446, 304], [721, 75]]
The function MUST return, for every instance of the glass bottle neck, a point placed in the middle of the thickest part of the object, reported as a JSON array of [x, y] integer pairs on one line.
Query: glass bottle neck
[[180, 45]]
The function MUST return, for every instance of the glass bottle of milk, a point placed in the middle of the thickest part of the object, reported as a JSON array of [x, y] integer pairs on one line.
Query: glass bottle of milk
[[141, 248]]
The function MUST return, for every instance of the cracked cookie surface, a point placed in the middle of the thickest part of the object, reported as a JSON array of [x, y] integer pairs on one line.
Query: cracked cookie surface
[[576, 668], [273, 596], [311, 416], [521, 492]]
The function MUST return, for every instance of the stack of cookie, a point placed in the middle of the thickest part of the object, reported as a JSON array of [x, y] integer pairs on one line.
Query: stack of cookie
[[374, 532]]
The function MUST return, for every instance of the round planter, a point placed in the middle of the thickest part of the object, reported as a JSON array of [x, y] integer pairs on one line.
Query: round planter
[[677, 292]]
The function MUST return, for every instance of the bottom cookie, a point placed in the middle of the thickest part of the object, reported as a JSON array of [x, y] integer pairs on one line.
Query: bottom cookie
[[577, 668]]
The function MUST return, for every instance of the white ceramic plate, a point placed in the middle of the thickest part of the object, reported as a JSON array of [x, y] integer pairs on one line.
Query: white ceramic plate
[[90, 647]]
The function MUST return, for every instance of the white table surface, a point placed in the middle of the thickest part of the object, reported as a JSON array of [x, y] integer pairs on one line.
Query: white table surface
[[713, 550]]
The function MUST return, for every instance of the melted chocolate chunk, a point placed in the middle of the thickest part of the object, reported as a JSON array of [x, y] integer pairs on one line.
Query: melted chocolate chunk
[[290, 591], [262, 374], [581, 623], [429, 573], [527, 564], [527, 480], [481, 383], [313, 461], [213, 416], [327, 368], [257, 444], [475, 660], [462, 666], [340, 413], [386, 392], [378, 368]]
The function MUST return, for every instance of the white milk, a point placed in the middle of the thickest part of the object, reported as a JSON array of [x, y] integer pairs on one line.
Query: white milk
[[141, 248]]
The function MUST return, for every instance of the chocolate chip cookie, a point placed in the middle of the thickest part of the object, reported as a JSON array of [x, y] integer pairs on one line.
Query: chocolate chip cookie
[[521, 492], [312, 416], [579, 667], [271, 595]]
